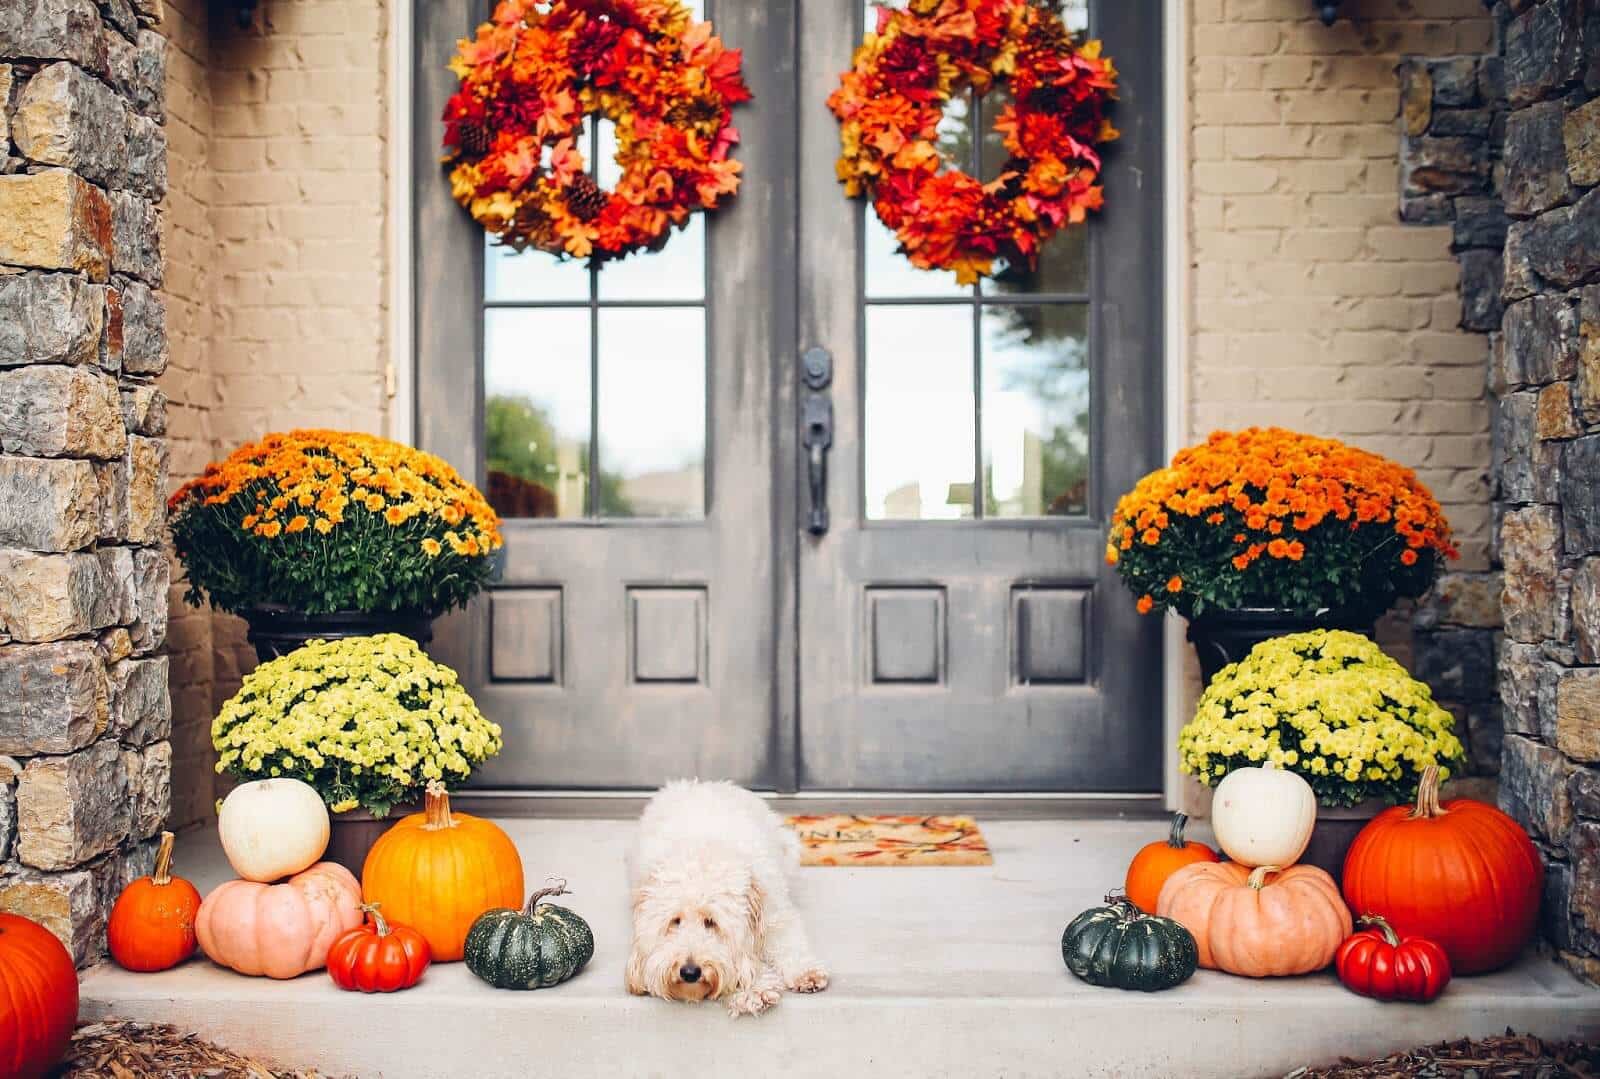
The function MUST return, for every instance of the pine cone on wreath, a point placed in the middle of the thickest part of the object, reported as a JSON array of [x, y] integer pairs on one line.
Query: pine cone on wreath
[[475, 139], [585, 199]]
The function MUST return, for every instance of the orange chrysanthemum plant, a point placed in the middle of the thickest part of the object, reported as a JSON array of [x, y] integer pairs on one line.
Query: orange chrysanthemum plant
[[324, 521], [1268, 518]]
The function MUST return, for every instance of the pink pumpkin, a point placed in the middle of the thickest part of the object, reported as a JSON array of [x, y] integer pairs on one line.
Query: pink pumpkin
[[280, 930]]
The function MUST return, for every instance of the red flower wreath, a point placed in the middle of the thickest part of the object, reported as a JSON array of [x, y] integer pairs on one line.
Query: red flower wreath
[[890, 102], [534, 72]]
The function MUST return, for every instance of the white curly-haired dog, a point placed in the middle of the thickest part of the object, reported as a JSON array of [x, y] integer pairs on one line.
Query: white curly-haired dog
[[712, 915]]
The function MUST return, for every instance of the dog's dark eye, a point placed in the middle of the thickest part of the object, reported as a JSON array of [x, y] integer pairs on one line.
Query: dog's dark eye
[[675, 922], [711, 923]]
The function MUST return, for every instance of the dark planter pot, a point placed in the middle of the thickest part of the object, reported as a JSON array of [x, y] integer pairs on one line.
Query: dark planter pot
[[1224, 637], [276, 631], [1335, 830], [351, 835]]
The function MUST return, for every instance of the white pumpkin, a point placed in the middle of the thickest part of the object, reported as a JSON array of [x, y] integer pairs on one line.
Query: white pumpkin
[[273, 828], [1263, 816]]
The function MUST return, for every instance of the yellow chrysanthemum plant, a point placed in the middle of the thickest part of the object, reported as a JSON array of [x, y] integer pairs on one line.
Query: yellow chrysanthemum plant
[[1330, 705], [323, 521], [368, 721]]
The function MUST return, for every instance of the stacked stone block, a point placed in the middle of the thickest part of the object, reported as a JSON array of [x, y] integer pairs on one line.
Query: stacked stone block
[[85, 765], [1545, 377], [1452, 141]]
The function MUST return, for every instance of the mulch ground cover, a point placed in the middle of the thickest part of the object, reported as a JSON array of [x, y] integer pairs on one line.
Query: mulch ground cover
[[125, 1050], [1515, 1056]]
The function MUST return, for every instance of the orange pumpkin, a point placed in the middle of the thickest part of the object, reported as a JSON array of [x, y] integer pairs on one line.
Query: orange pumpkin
[[280, 930], [1245, 923], [1462, 874], [38, 998], [436, 871], [1157, 861], [152, 923]]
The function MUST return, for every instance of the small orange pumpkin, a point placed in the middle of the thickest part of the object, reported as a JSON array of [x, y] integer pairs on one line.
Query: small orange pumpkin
[[1157, 861], [1246, 924], [436, 871], [152, 923]]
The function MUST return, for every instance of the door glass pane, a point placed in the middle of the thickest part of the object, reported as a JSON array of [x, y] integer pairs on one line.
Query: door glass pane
[[530, 277], [1035, 410], [536, 411], [676, 272], [652, 412], [919, 412]]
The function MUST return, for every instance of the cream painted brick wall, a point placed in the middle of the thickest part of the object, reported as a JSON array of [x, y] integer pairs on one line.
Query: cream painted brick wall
[[277, 277], [298, 157], [190, 386], [1311, 305]]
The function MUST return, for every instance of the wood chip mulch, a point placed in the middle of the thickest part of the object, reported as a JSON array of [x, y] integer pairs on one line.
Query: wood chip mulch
[[1515, 1056], [125, 1050]]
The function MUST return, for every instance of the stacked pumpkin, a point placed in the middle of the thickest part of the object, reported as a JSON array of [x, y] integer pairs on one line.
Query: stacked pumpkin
[[439, 885], [1442, 888]]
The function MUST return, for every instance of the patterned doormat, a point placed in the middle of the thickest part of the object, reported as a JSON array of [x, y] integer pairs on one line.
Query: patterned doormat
[[893, 841]]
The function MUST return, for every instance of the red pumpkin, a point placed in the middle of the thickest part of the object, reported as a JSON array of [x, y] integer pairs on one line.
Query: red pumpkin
[[152, 924], [1157, 861], [38, 998], [1376, 962], [376, 957], [1462, 874]]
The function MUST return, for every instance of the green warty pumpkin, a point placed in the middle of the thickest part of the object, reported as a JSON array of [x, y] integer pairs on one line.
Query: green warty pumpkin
[[531, 948], [1119, 945]]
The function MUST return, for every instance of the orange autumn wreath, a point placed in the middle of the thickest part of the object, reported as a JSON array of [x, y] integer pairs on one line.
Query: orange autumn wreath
[[532, 75], [890, 102], [1272, 518]]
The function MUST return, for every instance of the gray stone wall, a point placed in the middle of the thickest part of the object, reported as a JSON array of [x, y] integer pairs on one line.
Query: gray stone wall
[[1506, 147], [85, 765], [1453, 138], [1545, 373]]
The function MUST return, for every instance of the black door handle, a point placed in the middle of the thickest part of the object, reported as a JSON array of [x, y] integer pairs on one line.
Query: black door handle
[[818, 437]]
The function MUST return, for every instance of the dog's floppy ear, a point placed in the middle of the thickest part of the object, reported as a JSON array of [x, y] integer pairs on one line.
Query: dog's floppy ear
[[755, 898]]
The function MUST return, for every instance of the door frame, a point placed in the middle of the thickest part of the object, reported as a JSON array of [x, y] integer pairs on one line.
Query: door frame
[[409, 132]]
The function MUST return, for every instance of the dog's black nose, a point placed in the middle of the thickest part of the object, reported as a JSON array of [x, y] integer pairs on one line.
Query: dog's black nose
[[689, 972]]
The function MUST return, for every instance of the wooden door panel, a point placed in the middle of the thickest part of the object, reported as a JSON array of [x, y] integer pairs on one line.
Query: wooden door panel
[[617, 653], [980, 655]]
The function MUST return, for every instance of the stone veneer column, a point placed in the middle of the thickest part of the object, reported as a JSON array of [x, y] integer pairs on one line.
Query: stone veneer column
[[1452, 124], [84, 713], [1545, 371]]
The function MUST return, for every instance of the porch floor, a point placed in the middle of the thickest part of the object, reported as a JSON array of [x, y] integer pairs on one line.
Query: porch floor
[[939, 971]]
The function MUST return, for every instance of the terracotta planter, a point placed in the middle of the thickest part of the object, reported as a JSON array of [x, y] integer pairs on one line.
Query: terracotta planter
[[1335, 830], [277, 631], [351, 835], [1224, 637]]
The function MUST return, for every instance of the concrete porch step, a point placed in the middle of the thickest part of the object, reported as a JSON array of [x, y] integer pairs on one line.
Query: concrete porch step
[[935, 972]]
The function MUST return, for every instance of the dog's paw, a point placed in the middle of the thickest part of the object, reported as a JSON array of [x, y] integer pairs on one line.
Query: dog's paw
[[752, 1001], [812, 979]]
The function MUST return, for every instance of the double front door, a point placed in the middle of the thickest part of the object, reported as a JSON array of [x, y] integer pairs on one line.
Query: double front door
[[781, 508]]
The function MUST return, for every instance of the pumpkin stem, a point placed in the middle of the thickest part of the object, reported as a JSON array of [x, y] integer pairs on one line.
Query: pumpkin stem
[[436, 805], [1258, 875], [1175, 837], [162, 874], [1381, 924], [378, 921], [557, 886], [1428, 795]]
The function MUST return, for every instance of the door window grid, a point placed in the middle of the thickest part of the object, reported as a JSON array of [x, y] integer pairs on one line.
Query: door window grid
[[1064, 455], [574, 477]]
